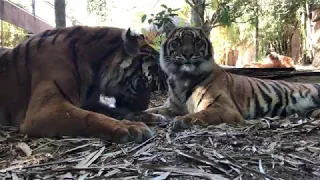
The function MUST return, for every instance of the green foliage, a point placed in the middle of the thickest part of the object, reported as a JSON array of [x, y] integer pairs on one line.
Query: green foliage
[[161, 17], [227, 11], [277, 20], [156, 41], [12, 35]]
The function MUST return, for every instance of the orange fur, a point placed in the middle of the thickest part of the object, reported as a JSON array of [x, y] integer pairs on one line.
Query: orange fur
[[46, 79], [202, 93]]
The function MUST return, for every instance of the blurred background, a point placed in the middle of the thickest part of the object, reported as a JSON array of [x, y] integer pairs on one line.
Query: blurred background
[[242, 31]]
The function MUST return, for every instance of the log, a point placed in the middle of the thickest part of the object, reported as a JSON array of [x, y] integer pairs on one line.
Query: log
[[286, 74]]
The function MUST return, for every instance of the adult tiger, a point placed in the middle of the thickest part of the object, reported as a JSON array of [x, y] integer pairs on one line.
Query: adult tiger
[[201, 92], [49, 76]]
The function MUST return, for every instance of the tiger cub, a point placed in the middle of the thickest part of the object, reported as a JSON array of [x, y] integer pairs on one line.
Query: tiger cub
[[201, 92]]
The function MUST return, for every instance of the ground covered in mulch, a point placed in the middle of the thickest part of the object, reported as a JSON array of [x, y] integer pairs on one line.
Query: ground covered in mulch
[[263, 149]]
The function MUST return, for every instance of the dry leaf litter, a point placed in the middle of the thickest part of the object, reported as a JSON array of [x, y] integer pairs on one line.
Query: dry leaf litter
[[270, 148]]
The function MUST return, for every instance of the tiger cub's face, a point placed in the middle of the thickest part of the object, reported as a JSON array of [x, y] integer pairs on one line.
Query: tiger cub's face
[[186, 51]]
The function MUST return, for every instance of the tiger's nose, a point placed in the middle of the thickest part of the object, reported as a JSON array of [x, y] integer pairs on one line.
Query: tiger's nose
[[187, 55]]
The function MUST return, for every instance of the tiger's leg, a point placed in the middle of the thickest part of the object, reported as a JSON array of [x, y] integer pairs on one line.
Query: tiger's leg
[[49, 114], [164, 113], [211, 116], [314, 113], [67, 120]]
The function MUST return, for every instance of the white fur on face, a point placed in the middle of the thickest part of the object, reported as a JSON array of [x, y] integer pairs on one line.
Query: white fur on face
[[188, 68], [163, 64], [205, 67]]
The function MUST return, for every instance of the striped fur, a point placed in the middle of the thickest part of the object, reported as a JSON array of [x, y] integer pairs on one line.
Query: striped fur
[[130, 83], [47, 78], [201, 92]]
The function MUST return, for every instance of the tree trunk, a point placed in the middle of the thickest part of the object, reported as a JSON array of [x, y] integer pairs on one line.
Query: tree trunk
[[60, 12], [256, 34], [197, 14]]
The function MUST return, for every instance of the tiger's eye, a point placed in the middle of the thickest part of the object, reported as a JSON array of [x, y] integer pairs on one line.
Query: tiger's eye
[[197, 41], [176, 42]]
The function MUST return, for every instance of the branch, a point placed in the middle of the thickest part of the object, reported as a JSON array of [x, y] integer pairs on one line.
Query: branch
[[215, 17], [216, 25]]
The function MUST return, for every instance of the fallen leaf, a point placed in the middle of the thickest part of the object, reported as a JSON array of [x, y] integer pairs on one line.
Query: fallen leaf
[[314, 149], [25, 148], [162, 176], [88, 160]]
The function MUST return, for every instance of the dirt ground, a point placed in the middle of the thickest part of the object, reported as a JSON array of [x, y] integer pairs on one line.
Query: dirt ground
[[263, 149]]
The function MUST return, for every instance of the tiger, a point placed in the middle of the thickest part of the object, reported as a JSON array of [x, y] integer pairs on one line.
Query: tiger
[[48, 78], [202, 93], [273, 60]]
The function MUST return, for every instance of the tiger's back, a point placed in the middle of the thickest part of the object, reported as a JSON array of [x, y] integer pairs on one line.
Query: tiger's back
[[259, 98]]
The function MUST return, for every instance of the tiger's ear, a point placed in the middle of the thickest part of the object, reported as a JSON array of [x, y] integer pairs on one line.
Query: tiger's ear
[[129, 35], [132, 42]]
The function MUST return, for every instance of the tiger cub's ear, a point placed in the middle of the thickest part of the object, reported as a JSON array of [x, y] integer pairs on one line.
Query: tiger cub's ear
[[132, 42]]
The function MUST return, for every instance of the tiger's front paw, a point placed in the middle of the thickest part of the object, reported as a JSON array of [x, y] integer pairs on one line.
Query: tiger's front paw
[[184, 122], [131, 131]]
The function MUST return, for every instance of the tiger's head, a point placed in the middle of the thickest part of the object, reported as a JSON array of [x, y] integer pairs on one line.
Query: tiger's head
[[186, 51], [128, 74]]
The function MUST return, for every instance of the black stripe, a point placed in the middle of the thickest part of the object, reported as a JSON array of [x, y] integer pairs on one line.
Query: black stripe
[[62, 92], [72, 46], [27, 51], [293, 99], [266, 97], [284, 94], [305, 93], [97, 36], [284, 112], [258, 109], [56, 36], [316, 99], [46, 34], [264, 84], [252, 114], [278, 105], [73, 31], [76, 76], [172, 87], [176, 95], [284, 84], [206, 92], [289, 94], [42, 38]]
